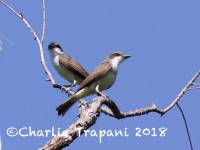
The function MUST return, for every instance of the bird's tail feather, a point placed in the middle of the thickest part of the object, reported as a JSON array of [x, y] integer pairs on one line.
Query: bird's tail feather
[[64, 107]]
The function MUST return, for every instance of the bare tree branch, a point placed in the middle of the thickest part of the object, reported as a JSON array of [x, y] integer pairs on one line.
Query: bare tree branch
[[85, 121], [185, 89], [35, 36], [87, 117], [114, 110], [121, 115]]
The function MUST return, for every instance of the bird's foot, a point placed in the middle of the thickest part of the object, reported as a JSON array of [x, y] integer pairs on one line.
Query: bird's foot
[[67, 89]]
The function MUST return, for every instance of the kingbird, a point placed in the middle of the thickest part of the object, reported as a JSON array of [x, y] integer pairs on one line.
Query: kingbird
[[99, 80]]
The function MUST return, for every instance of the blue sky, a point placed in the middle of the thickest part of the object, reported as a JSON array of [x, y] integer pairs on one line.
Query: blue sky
[[163, 39]]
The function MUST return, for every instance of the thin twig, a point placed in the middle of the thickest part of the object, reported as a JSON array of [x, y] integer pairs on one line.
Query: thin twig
[[195, 84], [195, 88], [188, 133], [44, 20], [185, 89]]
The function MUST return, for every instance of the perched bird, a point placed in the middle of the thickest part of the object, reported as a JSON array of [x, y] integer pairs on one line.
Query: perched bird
[[99, 80], [67, 67]]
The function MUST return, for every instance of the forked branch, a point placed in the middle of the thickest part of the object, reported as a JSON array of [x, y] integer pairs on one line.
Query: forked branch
[[88, 115], [36, 37]]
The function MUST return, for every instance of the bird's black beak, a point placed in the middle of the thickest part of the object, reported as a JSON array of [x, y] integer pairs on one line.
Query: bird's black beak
[[126, 56]]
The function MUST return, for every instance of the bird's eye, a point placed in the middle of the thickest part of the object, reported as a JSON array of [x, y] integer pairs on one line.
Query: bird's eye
[[117, 54]]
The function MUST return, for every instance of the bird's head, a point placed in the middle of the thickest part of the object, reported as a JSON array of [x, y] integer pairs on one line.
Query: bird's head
[[55, 48], [117, 57]]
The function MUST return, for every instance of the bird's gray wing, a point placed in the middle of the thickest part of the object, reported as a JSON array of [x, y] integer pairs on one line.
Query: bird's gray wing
[[98, 72], [72, 65]]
